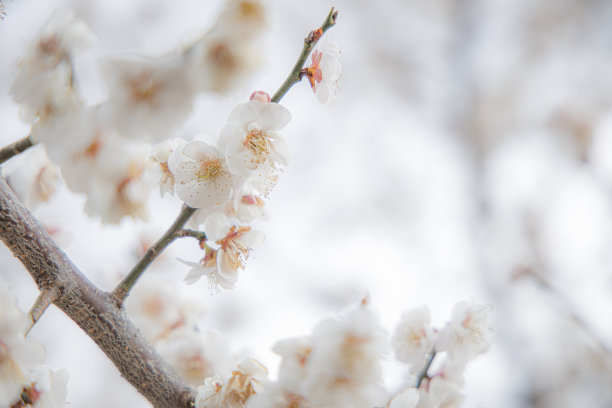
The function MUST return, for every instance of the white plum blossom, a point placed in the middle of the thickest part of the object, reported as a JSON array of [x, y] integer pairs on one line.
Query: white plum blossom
[[17, 354], [74, 142], [245, 382], [149, 98], [45, 96], [251, 140], [344, 366], [248, 207], [156, 309], [160, 155], [295, 353], [413, 339], [35, 179], [409, 398], [210, 394], [467, 334], [196, 356], [60, 38], [44, 82], [234, 243], [201, 176], [440, 393], [49, 389], [122, 182], [276, 396], [324, 72], [337, 367], [229, 53]]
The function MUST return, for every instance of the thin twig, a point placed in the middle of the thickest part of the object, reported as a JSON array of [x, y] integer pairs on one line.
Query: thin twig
[[578, 320], [43, 301], [199, 235], [123, 289], [423, 374], [14, 149], [309, 42]]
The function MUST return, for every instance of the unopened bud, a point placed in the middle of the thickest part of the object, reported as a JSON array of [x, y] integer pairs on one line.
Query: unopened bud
[[260, 96]]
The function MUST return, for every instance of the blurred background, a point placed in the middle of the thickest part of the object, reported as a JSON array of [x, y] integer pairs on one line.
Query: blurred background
[[468, 156]]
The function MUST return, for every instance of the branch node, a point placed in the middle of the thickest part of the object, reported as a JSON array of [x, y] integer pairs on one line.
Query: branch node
[[43, 301]]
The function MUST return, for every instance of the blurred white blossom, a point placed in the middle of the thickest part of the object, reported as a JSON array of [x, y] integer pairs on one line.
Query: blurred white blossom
[[34, 179], [196, 356], [17, 354], [230, 52], [467, 334], [149, 97], [413, 339]]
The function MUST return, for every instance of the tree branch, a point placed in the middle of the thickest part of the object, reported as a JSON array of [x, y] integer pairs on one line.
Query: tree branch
[[14, 149], [96, 312]]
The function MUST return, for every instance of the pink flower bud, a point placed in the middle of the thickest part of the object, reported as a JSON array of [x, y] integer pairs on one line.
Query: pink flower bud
[[260, 96]]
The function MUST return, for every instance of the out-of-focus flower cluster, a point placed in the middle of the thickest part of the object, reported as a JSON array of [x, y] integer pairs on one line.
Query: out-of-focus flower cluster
[[104, 151], [169, 322], [24, 381], [339, 365]]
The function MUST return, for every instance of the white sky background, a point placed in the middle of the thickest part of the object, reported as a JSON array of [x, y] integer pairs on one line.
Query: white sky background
[[469, 139]]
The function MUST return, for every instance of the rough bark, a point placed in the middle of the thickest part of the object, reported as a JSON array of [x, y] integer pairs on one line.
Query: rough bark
[[95, 311]]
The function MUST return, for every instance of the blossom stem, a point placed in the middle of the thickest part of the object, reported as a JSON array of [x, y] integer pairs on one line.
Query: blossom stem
[[423, 374], [43, 301], [309, 42], [199, 235], [123, 289], [14, 149]]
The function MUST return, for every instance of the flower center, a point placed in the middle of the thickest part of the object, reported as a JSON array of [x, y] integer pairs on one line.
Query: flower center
[[258, 143], [235, 252], [210, 170], [129, 205], [222, 57], [49, 45], [143, 88]]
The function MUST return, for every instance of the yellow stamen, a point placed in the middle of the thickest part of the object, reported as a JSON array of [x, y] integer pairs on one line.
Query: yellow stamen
[[258, 142], [210, 170]]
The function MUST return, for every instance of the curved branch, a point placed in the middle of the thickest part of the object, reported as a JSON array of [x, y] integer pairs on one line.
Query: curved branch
[[95, 311]]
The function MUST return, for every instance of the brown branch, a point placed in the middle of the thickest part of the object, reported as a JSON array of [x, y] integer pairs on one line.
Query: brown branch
[[14, 149], [95, 311]]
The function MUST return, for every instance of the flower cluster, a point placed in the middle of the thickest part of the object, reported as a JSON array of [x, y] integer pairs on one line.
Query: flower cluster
[[228, 182], [416, 343], [339, 366], [23, 380], [169, 323], [105, 151]]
